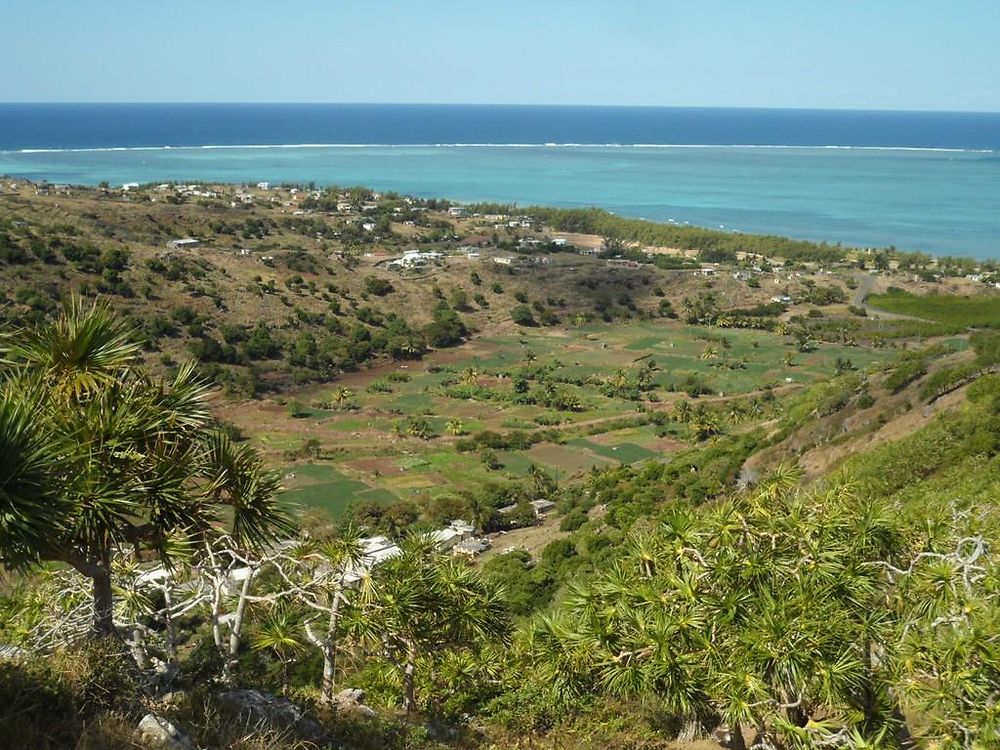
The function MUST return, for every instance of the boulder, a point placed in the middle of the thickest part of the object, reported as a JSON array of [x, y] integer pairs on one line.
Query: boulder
[[351, 695], [156, 732], [353, 700], [263, 711]]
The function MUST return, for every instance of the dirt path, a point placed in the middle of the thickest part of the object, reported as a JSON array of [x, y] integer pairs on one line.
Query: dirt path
[[865, 287]]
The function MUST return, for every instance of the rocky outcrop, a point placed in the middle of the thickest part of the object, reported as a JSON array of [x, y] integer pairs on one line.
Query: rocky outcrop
[[352, 700], [157, 733], [263, 711]]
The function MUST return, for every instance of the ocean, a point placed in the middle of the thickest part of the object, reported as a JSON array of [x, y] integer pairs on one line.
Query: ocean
[[915, 180]]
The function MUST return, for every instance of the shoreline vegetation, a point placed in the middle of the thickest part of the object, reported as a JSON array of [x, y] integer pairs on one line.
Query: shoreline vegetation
[[300, 468]]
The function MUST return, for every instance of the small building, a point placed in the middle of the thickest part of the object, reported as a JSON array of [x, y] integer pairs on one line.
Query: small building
[[445, 538], [378, 549], [503, 261], [457, 211], [182, 244], [264, 185], [623, 263], [463, 527], [473, 547], [542, 506]]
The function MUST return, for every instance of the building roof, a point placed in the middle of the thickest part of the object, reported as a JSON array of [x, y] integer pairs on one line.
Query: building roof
[[474, 546]]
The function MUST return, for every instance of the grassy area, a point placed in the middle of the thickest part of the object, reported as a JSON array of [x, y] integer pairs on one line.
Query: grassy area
[[979, 311], [367, 452]]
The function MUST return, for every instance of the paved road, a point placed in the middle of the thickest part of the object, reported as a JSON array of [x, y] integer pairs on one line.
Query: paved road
[[866, 282], [865, 286]]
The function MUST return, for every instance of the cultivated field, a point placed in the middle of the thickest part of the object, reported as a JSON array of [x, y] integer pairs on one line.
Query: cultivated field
[[395, 433]]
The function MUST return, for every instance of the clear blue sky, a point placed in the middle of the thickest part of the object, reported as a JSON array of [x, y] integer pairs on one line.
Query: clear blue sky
[[864, 54]]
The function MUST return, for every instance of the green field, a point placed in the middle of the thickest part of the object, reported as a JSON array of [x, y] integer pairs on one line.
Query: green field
[[367, 453], [979, 311]]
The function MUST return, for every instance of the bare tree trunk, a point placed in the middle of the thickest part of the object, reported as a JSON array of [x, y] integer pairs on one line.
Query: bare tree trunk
[[736, 739], [330, 650], [409, 687], [168, 604], [104, 626], [138, 647], [236, 628], [409, 691]]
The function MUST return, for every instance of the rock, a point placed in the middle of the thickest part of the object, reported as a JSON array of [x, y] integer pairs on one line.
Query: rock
[[12, 653], [156, 732], [259, 710], [353, 700], [172, 700], [351, 695]]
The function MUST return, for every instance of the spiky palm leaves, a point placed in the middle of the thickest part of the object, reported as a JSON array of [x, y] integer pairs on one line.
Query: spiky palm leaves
[[423, 605], [31, 508], [279, 632], [758, 612], [136, 460]]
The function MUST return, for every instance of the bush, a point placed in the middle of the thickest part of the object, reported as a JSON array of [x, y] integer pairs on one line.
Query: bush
[[377, 286], [573, 521], [521, 314]]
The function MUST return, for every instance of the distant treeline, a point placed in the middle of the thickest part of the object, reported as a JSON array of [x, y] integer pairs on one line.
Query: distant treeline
[[705, 241], [715, 245]]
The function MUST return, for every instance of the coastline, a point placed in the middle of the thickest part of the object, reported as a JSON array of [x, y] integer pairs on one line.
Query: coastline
[[940, 202]]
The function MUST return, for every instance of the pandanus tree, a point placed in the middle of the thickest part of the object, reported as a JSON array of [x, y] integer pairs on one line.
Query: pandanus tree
[[424, 605], [99, 456], [326, 580], [767, 612]]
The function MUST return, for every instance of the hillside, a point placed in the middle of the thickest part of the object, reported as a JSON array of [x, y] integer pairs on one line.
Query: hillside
[[716, 497]]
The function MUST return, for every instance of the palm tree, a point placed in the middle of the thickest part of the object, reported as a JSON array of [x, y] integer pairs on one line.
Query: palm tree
[[279, 633], [753, 611], [704, 423], [541, 482], [145, 463], [682, 411], [618, 380], [423, 604], [31, 507], [470, 376], [709, 352], [327, 590], [341, 397]]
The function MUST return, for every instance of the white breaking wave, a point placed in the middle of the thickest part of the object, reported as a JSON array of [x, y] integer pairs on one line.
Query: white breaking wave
[[110, 149]]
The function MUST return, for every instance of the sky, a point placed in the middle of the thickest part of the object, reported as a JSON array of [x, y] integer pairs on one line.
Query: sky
[[841, 54]]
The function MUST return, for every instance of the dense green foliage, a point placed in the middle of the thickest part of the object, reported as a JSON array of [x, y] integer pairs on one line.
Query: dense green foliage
[[717, 245], [977, 311]]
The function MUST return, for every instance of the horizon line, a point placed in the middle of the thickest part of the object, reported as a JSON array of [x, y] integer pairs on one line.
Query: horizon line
[[521, 105]]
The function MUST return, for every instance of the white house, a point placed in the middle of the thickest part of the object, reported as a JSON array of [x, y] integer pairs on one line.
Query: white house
[[186, 242], [542, 506], [473, 547], [445, 538]]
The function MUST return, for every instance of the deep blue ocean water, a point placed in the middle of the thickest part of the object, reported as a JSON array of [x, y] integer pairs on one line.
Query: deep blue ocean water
[[920, 181]]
